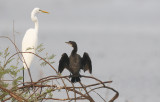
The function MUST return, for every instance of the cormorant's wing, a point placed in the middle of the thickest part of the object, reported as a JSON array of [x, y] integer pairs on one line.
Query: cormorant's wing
[[63, 63], [86, 63]]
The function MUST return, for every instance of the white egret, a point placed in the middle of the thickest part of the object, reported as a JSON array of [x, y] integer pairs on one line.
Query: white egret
[[30, 39]]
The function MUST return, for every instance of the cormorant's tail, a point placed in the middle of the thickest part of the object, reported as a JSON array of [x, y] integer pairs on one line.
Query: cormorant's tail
[[75, 79]]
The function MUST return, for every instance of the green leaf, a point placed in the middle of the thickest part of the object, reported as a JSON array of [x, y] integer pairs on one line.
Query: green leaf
[[13, 67], [52, 62], [52, 56], [6, 51], [50, 95], [40, 50], [4, 84], [29, 48], [19, 78], [43, 64], [39, 46], [0, 53], [10, 60]]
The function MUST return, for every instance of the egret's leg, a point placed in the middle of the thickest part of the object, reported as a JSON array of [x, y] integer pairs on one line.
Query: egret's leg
[[23, 76], [30, 75]]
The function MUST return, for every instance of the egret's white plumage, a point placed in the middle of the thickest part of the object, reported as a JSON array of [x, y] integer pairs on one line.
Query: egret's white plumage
[[29, 42]]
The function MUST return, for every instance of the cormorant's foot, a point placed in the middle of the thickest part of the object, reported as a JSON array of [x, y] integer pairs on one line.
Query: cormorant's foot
[[32, 85], [70, 76]]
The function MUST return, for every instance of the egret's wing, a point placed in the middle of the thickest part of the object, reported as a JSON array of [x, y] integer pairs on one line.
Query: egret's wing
[[63, 63], [29, 41], [29, 44], [86, 63]]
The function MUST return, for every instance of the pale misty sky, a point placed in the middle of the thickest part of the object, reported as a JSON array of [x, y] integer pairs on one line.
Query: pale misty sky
[[121, 36]]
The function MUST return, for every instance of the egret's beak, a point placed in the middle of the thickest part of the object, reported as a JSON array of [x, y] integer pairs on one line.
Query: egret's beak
[[44, 11]]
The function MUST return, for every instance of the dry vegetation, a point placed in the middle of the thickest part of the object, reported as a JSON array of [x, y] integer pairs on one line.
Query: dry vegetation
[[54, 87]]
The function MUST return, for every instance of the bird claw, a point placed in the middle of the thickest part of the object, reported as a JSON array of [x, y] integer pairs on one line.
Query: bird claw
[[80, 76], [70, 76]]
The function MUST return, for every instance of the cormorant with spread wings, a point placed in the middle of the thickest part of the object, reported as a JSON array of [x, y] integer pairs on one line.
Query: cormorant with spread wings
[[75, 62]]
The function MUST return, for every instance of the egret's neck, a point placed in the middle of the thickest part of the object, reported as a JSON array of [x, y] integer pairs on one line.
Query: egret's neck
[[35, 20], [36, 25]]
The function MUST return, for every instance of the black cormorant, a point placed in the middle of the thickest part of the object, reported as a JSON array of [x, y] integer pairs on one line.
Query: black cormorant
[[74, 63]]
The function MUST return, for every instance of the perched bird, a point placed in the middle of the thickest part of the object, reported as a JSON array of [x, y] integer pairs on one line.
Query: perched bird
[[74, 63], [30, 39]]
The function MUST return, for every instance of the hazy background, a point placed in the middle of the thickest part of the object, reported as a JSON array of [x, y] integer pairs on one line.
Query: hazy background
[[122, 38]]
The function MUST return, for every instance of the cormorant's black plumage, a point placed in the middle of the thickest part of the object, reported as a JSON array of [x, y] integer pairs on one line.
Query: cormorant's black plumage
[[64, 62], [74, 63], [86, 63]]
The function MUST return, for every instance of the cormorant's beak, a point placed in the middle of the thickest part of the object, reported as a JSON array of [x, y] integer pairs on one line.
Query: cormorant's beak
[[44, 11], [68, 43]]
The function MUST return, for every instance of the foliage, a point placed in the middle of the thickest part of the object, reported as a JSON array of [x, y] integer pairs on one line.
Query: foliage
[[9, 71], [9, 78]]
